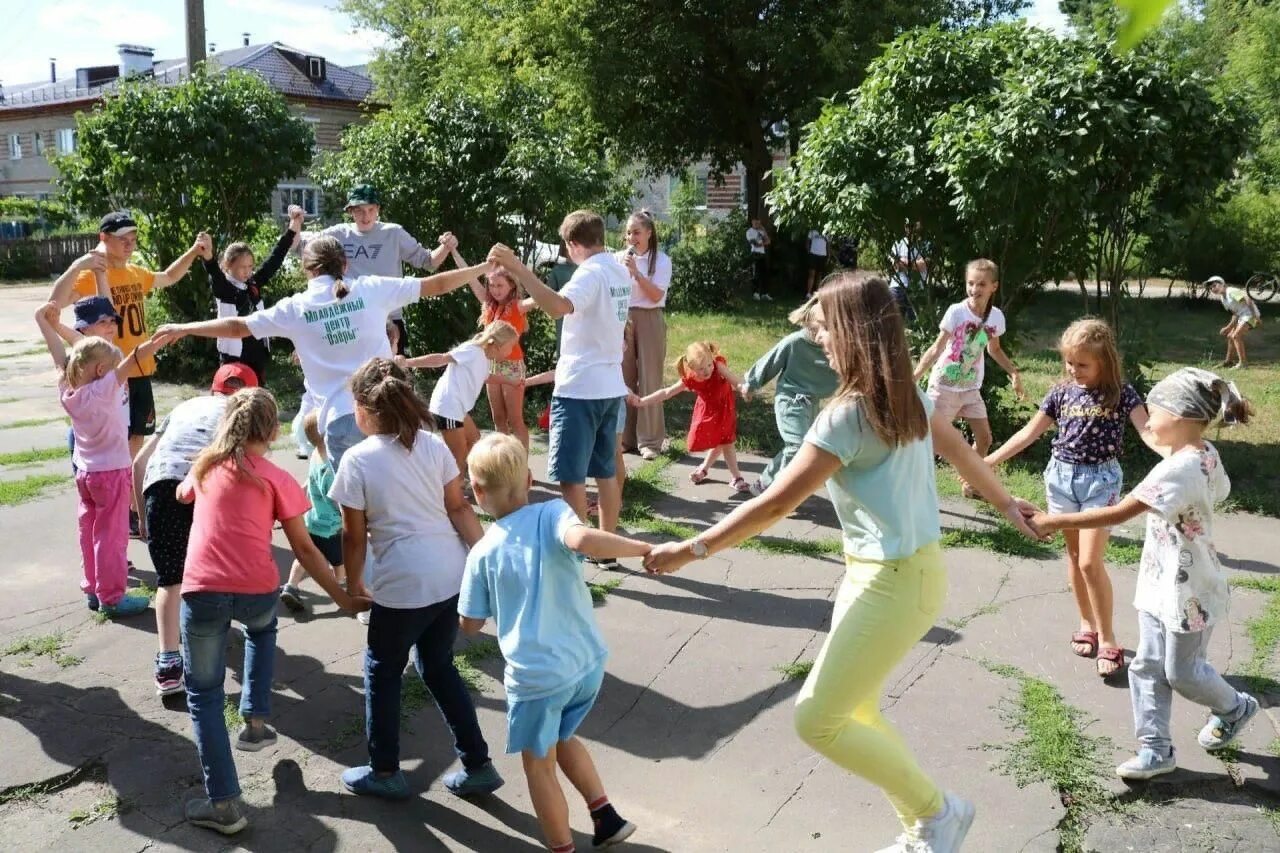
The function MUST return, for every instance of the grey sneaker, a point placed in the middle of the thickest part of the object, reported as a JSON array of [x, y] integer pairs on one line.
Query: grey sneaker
[[1219, 734], [251, 740], [942, 833], [1147, 764], [223, 816], [466, 783], [291, 597]]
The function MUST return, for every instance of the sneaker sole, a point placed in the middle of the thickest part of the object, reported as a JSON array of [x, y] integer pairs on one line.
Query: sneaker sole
[[628, 829], [1241, 725], [224, 828], [1141, 775], [475, 791], [169, 691], [254, 746], [292, 602], [382, 795]]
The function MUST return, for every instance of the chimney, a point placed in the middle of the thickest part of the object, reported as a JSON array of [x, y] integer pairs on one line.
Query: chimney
[[53, 70], [246, 39], [135, 59]]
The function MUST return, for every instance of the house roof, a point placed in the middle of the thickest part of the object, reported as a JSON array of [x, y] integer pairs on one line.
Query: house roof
[[270, 61]]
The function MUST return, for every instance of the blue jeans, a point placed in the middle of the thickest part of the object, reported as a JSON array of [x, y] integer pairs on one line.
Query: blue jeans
[[206, 620], [341, 435], [431, 630]]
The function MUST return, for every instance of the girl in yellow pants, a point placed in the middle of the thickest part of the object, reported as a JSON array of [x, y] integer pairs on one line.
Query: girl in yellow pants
[[873, 446]]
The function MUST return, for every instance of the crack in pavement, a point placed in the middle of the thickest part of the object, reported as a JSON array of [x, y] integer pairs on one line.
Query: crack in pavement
[[644, 690], [794, 793]]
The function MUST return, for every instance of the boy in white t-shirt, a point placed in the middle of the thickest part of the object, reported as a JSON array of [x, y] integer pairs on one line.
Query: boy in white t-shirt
[[816, 244], [758, 241], [589, 388]]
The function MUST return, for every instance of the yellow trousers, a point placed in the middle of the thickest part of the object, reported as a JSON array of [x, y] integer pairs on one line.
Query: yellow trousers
[[882, 610]]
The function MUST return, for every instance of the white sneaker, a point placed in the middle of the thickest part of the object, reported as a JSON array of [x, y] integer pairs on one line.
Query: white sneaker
[[756, 297], [363, 617], [766, 297], [942, 833]]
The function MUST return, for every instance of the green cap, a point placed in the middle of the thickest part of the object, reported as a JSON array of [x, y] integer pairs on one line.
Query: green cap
[[362, 194]]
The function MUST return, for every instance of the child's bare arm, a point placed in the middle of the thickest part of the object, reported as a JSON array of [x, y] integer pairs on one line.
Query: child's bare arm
[[477, 286], [461, 515], [295, 530], [527, 304], [659, 396], [725, 371], [590, 542], [930, 356], [46, 317], [63, 292], [546, 377], [470, 626], [1105, 516], [434, 360], [1022, 439], [1000, 357], [143, 350]]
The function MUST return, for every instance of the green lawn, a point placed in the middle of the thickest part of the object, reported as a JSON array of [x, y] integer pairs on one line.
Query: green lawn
[[1169, 333]]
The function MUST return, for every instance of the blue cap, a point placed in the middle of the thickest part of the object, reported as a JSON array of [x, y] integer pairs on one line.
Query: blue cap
[[93, 309]]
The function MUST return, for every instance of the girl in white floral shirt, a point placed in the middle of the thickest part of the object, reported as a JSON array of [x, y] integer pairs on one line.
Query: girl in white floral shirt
[[1182, 589]]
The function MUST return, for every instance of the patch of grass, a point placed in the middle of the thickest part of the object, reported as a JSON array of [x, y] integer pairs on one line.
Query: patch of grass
[[1263, 631], [31, 422], [1053, 748], [34, 456], [24, 353], [600, 591], [108, 809], [1123, 551], [963, 621], [346, 734], [9, 399], [45, 645], [795, 671], [15, 492], [1002, 539], [466, 659], [231, 715], [35, 790]]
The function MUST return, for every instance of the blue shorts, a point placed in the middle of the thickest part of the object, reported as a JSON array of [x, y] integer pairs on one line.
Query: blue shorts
[[536, 725], [584, 434], [622, 419], [1072, 487]]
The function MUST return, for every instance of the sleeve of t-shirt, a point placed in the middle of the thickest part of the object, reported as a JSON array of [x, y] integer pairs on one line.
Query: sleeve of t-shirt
[[389, 293], [290, 500], [1129, 400], [565, 519], [278, 321], [473, 600], [580, 290], [839, 431], [1163, 490], [448, 465], [411, 251], [952, 319], [1052, 402], [996, 321], [662, 272], [348, 484]]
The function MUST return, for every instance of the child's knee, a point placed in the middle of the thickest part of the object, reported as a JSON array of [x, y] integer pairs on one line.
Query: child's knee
[[1093, 570], [813, 725]]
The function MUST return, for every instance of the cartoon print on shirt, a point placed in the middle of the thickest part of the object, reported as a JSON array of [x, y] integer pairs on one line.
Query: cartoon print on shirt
[[1184, 562], [1195, 618], [967, 346], [1190, 524]]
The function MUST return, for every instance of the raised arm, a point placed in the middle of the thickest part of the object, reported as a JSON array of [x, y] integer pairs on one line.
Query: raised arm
[[141, 351], [477, 286], [223, 327], [444, 282], [223, 289], [46, 319], [280, 251], [176, 270], [1022, 439], [547, 299], [63, 294], [930, 355]]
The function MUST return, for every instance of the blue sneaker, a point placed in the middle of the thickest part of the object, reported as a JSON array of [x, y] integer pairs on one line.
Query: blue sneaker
[[465, 783], [129, 605], [92, 601], [1219, 734], [1146, 764], [363, 781]]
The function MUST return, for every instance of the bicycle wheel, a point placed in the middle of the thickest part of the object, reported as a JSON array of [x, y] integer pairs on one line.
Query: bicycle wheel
[[1261, 287]]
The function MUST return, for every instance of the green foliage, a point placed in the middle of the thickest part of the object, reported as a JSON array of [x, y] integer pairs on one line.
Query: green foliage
[[204, 154], [1233, 237], [48, 214], [710, 269], [1046, 155]]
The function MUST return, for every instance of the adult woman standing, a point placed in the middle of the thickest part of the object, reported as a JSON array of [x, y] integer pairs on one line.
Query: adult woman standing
[[873, 446], [644, 351], [335, 326]]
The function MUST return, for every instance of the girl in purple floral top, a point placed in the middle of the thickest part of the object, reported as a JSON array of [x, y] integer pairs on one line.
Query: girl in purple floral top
[[1089, 408]]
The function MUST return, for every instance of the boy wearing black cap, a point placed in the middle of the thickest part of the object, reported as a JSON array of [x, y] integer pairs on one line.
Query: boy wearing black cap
[[129, 285], [381, 248]]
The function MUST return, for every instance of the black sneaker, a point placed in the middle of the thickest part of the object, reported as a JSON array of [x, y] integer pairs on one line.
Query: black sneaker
[[610, 827], [134, 530], [607, 563], [169, 679]]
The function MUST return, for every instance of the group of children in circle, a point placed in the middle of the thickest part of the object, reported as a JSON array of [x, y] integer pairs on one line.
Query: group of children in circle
[[210, 499]]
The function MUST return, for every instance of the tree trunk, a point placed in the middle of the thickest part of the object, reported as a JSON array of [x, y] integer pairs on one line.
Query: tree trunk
[[759, 161]]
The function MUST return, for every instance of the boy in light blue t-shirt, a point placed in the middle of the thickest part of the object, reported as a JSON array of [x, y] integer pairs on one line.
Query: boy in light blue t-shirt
[[324, 519], [526, 575]]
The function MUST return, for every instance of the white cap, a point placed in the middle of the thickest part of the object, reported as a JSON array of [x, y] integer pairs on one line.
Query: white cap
[[1215, 279]]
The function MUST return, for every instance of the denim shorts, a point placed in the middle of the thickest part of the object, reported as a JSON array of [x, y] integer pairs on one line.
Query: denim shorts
[[584, 434], [536, 725], [1072, 487]]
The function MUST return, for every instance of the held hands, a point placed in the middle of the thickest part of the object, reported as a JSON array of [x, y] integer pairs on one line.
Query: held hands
[[635, 401], [48, 313], [296, 216], [667, 558], [449, 241], [503, 256], [745, 391], [93, 261], [1023, 516], [204, 245], [170, 332]]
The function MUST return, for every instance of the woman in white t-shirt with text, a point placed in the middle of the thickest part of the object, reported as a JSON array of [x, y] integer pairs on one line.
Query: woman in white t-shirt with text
[[335, 327], [968, 332], [644, 353]]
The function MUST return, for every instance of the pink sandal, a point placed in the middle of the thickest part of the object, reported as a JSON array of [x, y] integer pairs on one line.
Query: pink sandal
[[698, 476], [740, 484]]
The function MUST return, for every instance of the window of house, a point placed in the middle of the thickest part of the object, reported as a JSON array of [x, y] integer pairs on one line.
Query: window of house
[[315, 67], [305, 197], [15, 146], [39, 147], [65, 140]]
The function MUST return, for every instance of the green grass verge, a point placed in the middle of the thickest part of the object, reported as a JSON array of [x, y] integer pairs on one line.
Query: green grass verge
[[600, 591], [465, 662], [31, 422], [108, 809], [231, 715], [34, 456], [1054, 748], [24, 353], [1263, 631], [795, 671], [46, 645]]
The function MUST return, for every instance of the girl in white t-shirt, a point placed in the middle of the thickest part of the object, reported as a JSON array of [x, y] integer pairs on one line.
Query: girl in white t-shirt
[[1182, 589], [466, 369], [969, 330], [400, 492]]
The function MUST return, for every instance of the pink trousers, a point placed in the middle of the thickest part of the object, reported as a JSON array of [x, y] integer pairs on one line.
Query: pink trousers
[[104, 531]]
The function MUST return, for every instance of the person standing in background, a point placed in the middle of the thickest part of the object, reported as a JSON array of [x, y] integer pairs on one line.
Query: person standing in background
[[758, 240], [644, 352], [816, 245]]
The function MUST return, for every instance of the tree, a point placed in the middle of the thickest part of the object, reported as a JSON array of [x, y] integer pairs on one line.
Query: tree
[[204, 154], [669, 82], [1046, 155]]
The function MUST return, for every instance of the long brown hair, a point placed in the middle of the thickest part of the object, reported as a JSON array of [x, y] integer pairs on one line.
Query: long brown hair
[[251, 416], [645, 219], [868, 349], [1095, 337], [382, 388], [325, 256], [494, 309]]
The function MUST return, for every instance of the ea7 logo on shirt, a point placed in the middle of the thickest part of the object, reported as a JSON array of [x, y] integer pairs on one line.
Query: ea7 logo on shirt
[[355, 252]]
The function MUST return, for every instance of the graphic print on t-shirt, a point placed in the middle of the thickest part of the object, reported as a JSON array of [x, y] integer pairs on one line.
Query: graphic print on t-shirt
[[968, 343], [338, 328]]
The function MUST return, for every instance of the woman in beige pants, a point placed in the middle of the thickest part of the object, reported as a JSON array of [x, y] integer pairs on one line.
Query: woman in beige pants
[[645, 350]]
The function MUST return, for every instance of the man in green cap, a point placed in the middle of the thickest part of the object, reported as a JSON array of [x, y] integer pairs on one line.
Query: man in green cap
[[381, 248]]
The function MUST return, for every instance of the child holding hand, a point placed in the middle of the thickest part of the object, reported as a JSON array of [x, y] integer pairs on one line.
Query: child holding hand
[[92, 389], [323, 520], [714, 426], [1182, 590], [526, 575]]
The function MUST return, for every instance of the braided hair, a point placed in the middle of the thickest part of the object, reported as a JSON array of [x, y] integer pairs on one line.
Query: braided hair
[[251, 416], [383, 390]]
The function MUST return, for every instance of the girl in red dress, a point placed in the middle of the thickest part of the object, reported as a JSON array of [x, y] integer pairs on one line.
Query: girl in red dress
[[714, 428]]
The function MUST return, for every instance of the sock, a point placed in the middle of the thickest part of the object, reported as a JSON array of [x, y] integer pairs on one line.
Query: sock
[[567, 847], [597, 804], [167, 658]]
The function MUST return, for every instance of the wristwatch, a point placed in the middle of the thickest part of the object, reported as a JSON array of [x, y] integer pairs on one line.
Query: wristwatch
[[698, 548]]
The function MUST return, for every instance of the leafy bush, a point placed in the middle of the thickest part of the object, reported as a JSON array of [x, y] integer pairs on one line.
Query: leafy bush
[[51, 214], [1234, 239], [709, 270], [19, 261]]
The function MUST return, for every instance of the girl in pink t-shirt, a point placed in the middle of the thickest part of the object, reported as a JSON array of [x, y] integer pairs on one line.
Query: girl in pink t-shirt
[[91, 386], [231, 574]]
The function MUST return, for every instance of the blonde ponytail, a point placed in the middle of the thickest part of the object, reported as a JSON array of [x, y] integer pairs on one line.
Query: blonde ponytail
[[499, 333], [251, 416]]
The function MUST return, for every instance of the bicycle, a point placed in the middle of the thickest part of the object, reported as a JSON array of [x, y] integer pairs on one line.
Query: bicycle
[[1262, 287]]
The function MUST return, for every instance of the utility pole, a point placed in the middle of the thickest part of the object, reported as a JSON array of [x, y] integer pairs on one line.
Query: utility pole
[[195, 34]]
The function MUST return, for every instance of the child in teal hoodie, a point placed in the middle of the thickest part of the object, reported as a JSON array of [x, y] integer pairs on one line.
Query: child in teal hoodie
[[804, 380]]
